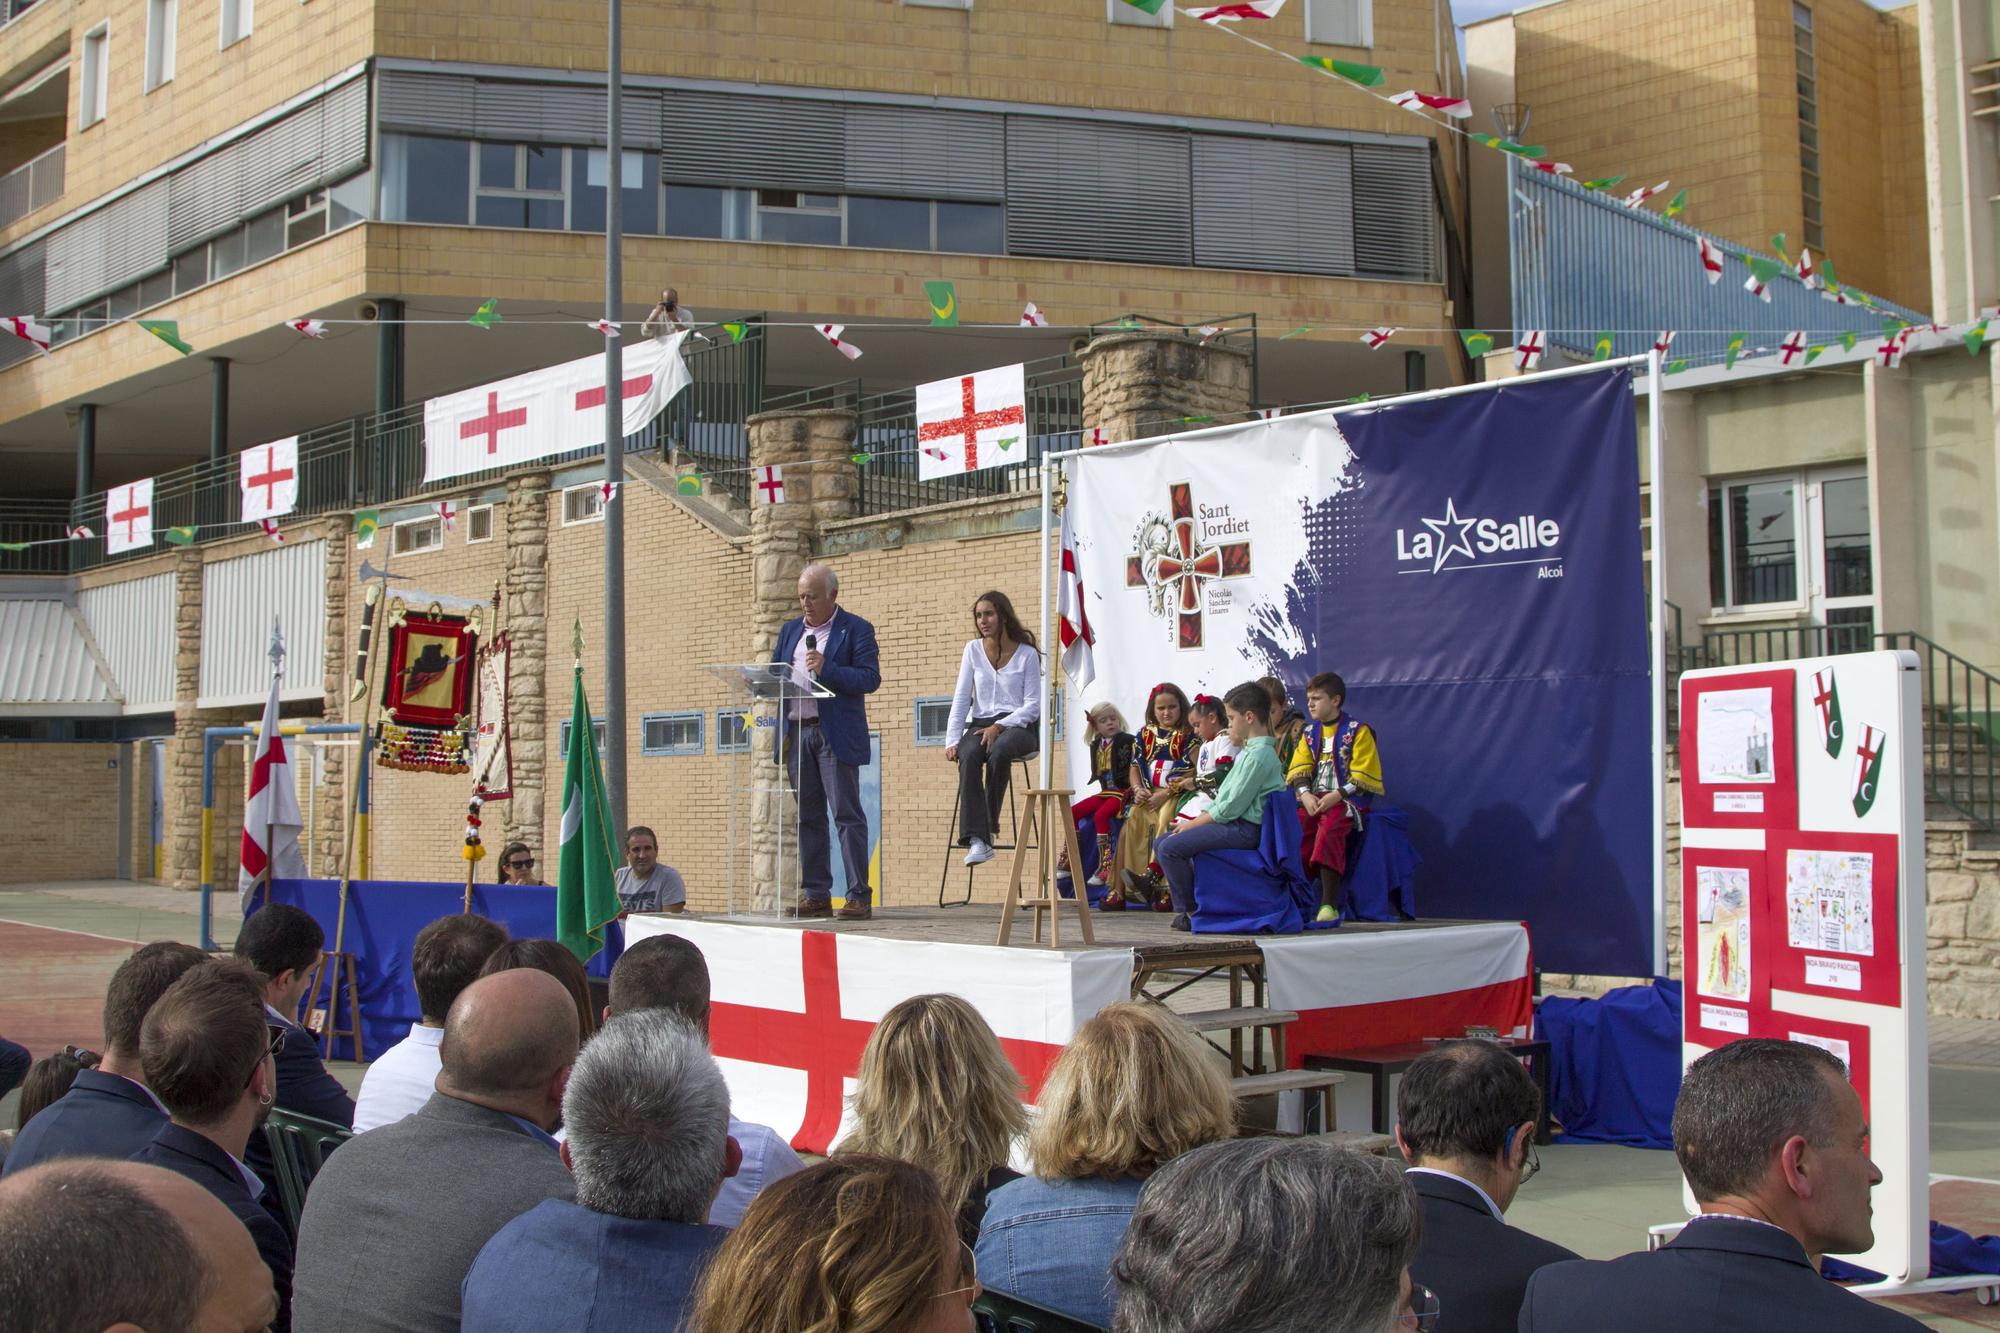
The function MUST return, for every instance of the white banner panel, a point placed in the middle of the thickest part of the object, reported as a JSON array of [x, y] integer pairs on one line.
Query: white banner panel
[[268, 476]]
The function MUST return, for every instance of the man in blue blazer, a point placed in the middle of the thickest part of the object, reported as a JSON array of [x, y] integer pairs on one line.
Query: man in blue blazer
[[823, 743], [1772, 1141], [108, 1112], [283, 943]]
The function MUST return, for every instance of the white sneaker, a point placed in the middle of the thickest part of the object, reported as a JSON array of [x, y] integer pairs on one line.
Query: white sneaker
[[980, 854], [1095, 881]]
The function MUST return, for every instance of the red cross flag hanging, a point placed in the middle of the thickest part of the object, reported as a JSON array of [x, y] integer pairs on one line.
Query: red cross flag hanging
[[128, 517], [1376, 338], [1528, 351], [268, 475], [971, 422], [545, 412], [1889, 351], [1664, 340], [769, 483], [1711, 259], [1793, 348]]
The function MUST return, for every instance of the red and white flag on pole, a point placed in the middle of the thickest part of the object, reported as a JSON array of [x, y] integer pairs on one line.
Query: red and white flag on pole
[[271, 819], [1377, 338], [1072, 621], [972, 421], [268, 477], [1711, 259], [1413, 100], [832, 332]]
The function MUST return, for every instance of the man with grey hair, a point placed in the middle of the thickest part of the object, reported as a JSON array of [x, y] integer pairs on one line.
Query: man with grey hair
[[1276, 1235], [1772, 1140], [648, 1119], [823, 743]]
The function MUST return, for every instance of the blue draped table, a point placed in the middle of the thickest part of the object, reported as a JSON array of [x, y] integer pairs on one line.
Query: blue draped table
[[383, 918]]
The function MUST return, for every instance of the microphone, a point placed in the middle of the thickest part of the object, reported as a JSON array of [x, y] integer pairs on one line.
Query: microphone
[[812, 643]]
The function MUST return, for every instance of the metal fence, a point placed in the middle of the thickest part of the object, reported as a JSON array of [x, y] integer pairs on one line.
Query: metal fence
[[32, 185], [1583, 263]]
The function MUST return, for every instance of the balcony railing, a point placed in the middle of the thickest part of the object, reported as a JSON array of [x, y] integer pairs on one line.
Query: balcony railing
[[13, 9], [1582, 263], [32, 185]]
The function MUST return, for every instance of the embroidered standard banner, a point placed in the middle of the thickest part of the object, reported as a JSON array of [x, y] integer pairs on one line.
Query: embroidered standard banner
[[1471, 565], [546, 412], [492, 743]]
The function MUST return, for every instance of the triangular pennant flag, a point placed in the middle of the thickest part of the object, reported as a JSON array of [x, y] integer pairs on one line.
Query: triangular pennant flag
[[1368, 76], [861, 459], [1677, 366], [181, 536], [1208, 332], [1762, 271], [15, 546], [1528, 350], [1711, 259], [689, 483], [1975, 337], [942, 298], [447, 511], [1552, 168], [366, 522], [1303, 328], [1230, 13], [309, 328], [1602, 182], [1793, 348], [1377, 337], [487, 315], [1733, 350], [1508, 145], [270, 526], [1197, 420], [832, 332], [1676, 205], [1890, 350], [1477, 342], [1778, 244], [1033, 318], [1808, 274], [1600, 350], [167, 331], [81, 532], [1847, 340], [29, 328], [1643, 193], [1357, 398], [607, 491], [736, 332], [1457, 107], [1813, 352]]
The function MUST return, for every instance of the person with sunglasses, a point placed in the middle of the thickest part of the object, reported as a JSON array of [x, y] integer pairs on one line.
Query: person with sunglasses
[[1466, 1114], [210, 1055], [517, 866]]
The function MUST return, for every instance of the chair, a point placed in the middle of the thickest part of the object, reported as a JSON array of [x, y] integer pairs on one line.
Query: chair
[[1261, 891], [300, 1145], [1024, 777], [998, 1312]]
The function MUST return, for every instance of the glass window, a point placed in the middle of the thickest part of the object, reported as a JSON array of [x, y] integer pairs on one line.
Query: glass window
[[1753, 528], [888, 224], [513, 211], [671, 733], [191, 269], [699, 210], [266, 236], [420, 534], [496, 166], [225, 254], [307, 227], [582, 504], [158, 288], [545, 167], [429, 179], [732, 731], [123, 302], [349, 202], [933, 719], [1848, 541], [638, 173], [972, 229], [785, 226], [596, 735]]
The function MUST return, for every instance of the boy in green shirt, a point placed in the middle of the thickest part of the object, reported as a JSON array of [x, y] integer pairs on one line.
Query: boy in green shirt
[[1235, 818]]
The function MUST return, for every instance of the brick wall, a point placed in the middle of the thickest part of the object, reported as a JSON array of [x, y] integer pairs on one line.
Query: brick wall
[[62, 806]]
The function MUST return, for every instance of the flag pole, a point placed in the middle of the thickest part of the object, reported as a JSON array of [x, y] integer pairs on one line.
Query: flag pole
[[1051, 658], [270, 828], [614, 416]]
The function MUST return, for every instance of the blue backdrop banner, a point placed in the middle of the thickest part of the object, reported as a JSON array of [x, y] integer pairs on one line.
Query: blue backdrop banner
[[1472, 566]]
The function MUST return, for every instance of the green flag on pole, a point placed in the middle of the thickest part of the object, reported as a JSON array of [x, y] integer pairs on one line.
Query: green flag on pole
[[586, 896]]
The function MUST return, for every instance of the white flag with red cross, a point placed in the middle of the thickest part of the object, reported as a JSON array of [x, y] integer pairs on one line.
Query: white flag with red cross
[[1528, 351], [769, 484], [1456, 107], [1377, 338], [271, 819], [1711, 259], [792, 1010], [1793, 348], [544, 412], [30, 328], [1079, 641], [268, 476], [971, 422], [128, 517]]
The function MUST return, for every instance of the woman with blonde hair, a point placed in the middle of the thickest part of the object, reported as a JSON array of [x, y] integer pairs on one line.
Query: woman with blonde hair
[[1134, 1089], [935, 1090], [856, 1244]]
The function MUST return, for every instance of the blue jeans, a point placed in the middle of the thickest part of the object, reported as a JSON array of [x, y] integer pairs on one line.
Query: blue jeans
[[1176, 852]]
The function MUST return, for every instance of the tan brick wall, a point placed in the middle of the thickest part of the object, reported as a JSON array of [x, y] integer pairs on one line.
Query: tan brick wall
[[22, 140], [62, 805], [1906, 242]]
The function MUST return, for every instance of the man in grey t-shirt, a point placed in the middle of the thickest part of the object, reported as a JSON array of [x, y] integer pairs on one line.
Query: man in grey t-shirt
[[644, 885]]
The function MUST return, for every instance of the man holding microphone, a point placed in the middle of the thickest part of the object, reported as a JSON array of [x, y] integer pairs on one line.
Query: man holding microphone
[[824, 742]]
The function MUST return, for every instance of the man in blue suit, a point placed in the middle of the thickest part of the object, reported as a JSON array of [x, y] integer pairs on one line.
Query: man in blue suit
[[1772, 1141], [108, 1112], [283, 943], [648, 1121], [823, 743]]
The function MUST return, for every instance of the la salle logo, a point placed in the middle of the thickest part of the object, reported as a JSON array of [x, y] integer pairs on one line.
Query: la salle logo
[[1474, 538], [1178, 555]]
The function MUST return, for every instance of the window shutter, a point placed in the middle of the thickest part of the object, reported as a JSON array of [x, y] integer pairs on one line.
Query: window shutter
[[924, 153], [1395, 212], [319, 143], [426, 103], [108, 248], [560, 114], [1082, 190], [714, 139], [1269, 204]]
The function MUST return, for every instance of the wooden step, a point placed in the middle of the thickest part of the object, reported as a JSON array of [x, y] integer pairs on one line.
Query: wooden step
[[1225, 1020], [1285, 1080]]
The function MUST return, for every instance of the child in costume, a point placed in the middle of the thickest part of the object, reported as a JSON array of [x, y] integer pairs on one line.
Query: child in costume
[[1338, 773], [1162, 769], [1111, 770], [1235, 819], [1218, 751], [1287, 723]]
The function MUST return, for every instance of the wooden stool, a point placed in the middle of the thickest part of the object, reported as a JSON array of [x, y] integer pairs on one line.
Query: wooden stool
[[1048, 812], [338, 969]]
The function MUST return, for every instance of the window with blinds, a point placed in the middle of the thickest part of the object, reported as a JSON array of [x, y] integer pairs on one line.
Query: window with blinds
[[1340, 22], [1271, 204], [1093, 190]]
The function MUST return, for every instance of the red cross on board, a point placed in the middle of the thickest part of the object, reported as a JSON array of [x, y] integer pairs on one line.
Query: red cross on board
[[132, 513], [633, 388], [1186, 565], [826, 1045], [1822, 699], [493, 423], [1866, 755], [270, 478], [971, 423]]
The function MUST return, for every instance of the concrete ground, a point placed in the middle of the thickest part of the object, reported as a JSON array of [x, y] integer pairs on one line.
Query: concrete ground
[[60, 942]]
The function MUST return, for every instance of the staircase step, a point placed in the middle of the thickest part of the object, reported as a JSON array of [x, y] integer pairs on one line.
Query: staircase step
[[1224, 1020], [1286, 1080]]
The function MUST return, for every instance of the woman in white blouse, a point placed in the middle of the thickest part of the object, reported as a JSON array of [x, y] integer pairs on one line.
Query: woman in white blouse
[[994, 712]]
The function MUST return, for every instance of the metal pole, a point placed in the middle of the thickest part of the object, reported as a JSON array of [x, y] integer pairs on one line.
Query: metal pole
[[1656, 461], [614, 426], [1048, 657], [388, 355], [86, 450], [218, 408]]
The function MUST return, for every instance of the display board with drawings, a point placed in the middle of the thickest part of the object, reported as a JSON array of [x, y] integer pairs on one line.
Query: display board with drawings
[[1802, 894]]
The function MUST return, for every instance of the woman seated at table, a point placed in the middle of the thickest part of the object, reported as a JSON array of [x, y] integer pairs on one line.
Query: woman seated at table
[[994, 711], [517, 866]]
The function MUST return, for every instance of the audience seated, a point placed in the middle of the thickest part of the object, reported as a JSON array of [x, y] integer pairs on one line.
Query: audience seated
[[206, 1051], [283, 943], [1275, 1235], [668, 972], [88, 1245], [396, 1216], [648, 1121], [936, 1090], [14, 1065], [554, 958], [107, 1111], [1465, 1118], [1134, 1089], [49, 1079], [1772, 1141], [445, 958], [856, 1244]]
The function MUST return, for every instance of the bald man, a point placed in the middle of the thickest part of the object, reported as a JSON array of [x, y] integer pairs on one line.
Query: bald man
[[396, 1217], [88, 1245]]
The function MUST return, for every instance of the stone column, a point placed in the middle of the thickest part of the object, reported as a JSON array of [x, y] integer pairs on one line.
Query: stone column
[[527, 603], [813, 448], [182, 867], [1142, 383]]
